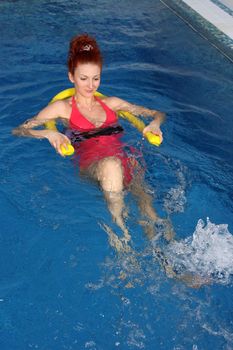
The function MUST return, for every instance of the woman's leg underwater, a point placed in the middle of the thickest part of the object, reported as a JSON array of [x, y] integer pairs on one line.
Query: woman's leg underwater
[[145, 204], [109, 173]]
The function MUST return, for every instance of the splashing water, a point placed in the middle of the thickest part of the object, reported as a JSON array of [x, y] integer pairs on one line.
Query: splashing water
[[208, 253], [175, 199]]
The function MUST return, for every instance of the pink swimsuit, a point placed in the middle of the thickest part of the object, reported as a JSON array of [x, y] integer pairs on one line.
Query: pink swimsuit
[[99, 147], [80, 123]]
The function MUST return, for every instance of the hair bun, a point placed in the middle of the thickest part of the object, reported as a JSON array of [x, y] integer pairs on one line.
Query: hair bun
[[83, 49], [83, 43]]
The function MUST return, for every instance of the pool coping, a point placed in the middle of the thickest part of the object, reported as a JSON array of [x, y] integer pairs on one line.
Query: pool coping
[[212, 19]]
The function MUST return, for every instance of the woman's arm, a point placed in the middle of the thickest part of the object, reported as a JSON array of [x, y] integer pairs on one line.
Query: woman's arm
[[118, 104], [51, 112], [27, 128]]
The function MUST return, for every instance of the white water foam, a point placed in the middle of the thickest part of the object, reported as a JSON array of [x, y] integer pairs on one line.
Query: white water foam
[[208, 253]]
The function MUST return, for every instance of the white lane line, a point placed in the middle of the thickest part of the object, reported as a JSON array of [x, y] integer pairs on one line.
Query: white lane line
[[228, 3], [212, 13]]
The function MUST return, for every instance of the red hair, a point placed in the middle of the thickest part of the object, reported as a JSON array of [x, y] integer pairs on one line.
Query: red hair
[[83, 49]]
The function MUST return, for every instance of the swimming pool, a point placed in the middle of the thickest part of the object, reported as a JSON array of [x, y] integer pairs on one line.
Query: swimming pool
[[63, 286]]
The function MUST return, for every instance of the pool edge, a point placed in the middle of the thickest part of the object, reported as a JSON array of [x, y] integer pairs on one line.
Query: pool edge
[[202, 25]]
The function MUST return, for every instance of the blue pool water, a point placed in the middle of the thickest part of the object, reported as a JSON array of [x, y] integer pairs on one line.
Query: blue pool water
[[63, 286]]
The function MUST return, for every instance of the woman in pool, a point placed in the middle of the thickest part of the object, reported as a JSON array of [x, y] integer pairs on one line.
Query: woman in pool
[[102, 157]]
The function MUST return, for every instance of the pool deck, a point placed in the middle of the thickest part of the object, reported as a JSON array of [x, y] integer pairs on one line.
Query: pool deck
[[212, 19]]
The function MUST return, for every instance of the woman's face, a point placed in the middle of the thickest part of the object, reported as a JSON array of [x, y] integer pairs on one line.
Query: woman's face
[[86, 78]]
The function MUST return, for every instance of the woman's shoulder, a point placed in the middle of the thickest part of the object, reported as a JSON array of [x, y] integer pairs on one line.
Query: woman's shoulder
[[62, 104], [113, 102], [60, 108]]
